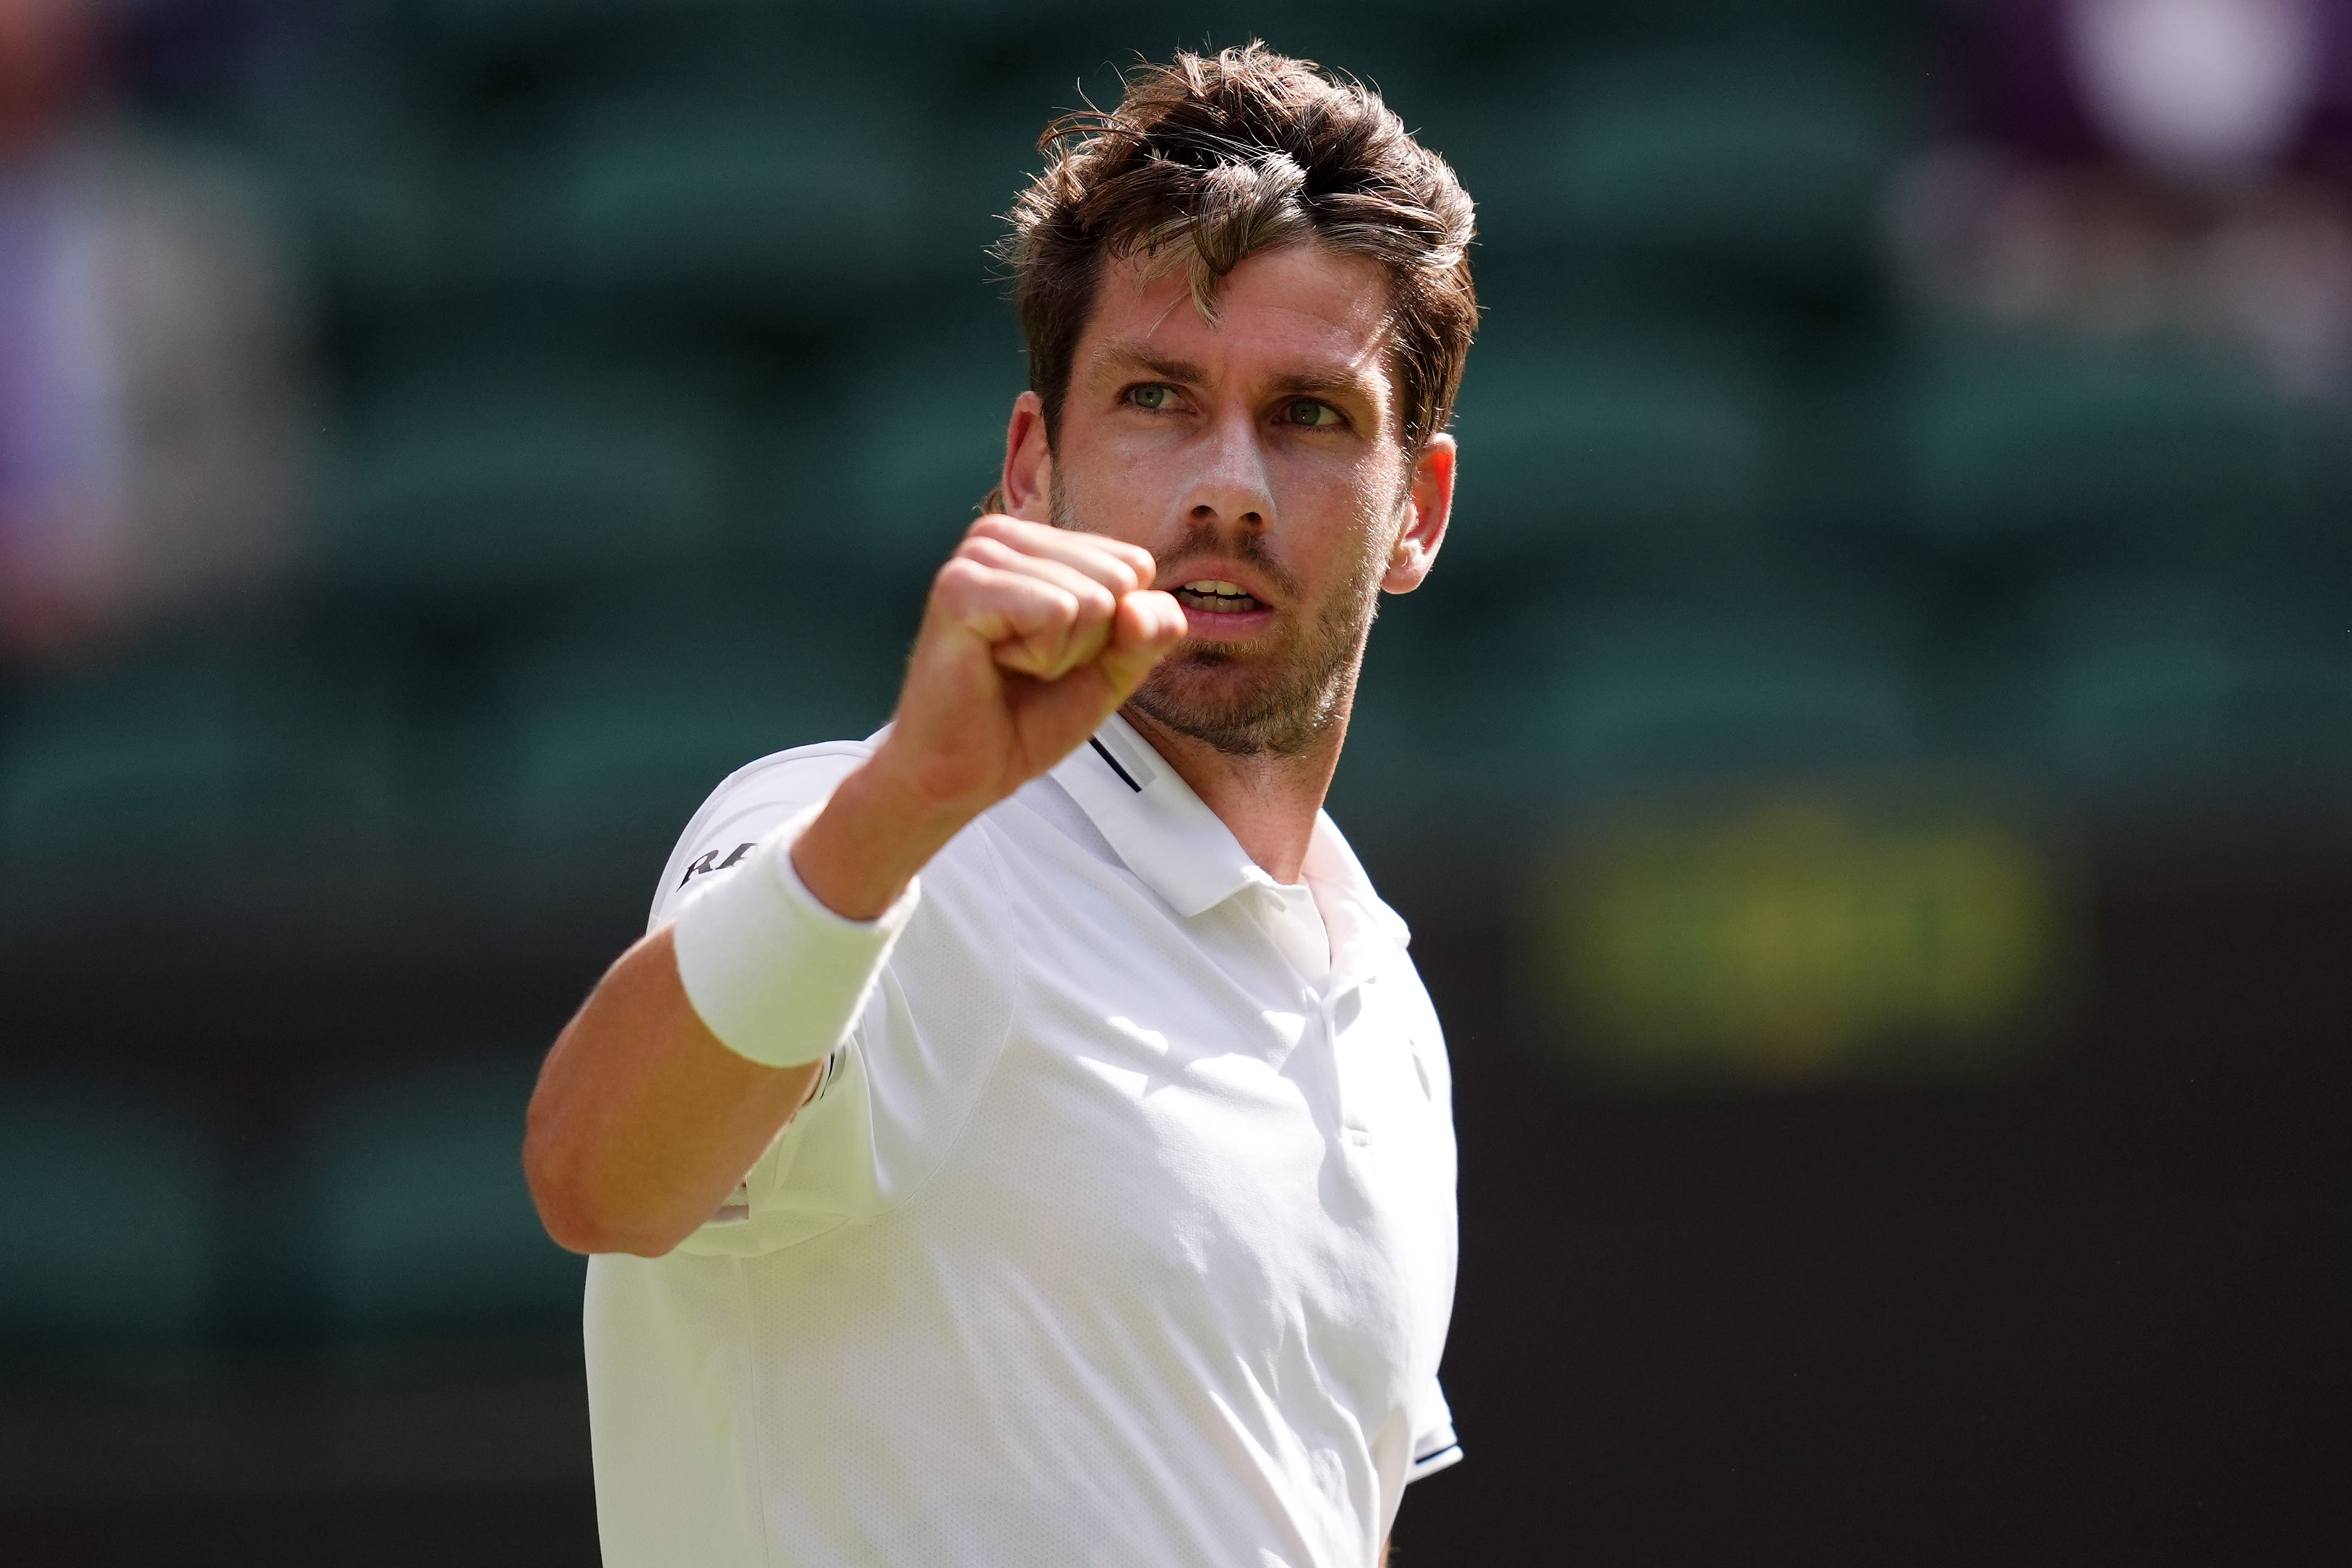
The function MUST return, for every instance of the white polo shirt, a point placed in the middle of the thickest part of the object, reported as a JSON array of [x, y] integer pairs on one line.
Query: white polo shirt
[[1120, 1233]]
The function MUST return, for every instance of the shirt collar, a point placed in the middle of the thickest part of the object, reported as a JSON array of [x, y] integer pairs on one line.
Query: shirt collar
[[1344, 892], [1185, 853], [1161, 828]]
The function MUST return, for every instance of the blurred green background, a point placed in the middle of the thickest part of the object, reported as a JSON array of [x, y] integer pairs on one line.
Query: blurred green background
[[1868, 780]]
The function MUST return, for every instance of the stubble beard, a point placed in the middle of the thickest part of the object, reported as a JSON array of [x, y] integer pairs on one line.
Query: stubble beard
[[1262, 698]]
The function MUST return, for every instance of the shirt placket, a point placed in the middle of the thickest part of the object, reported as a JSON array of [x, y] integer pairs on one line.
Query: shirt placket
[[1353, 1125]]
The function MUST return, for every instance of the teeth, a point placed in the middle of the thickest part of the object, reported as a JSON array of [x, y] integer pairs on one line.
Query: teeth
[[1216, 596]]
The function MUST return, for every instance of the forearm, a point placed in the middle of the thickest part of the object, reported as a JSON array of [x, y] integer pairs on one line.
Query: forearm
[[651, 1108], [878, 830], [643, 1122]]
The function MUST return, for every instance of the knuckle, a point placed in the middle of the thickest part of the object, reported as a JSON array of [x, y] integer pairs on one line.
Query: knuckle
[[959, 582], [1062, 615], [1115, 571], [1005, 533], [1101, 563]]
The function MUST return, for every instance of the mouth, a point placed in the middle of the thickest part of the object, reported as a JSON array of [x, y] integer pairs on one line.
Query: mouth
[[1215, 596]]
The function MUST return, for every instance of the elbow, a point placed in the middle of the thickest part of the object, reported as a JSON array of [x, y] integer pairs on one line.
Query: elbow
[[589, 1234], [566, 1205], [579, 1220], [569, 1225], [570, 1221], [577, 1209]]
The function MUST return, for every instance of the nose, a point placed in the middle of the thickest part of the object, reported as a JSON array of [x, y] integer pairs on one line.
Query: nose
[[1231, 489]]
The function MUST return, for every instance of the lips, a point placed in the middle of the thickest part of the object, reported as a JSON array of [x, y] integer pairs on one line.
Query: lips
[[1216, 596]]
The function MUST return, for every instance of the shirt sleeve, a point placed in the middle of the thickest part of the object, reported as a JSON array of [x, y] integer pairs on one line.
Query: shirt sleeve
[[750, 804], [893, 1094], [774, 972], [1435, 1446]]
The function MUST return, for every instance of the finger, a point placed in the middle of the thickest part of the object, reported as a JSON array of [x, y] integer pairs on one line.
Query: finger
[[1093, 605], [1148, 624], [1120, 566], [1025, 618], [1038, 618]]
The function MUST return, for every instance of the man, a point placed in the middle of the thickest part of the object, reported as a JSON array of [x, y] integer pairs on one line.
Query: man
[[152, 417], [1099, 1204]]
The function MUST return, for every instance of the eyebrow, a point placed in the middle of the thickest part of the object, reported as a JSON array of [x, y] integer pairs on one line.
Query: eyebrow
[[1306, 381], [1125, 355], [1128, 355]]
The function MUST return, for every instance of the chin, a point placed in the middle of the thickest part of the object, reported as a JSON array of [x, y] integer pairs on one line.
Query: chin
[[1240, 711], [1214, 682]]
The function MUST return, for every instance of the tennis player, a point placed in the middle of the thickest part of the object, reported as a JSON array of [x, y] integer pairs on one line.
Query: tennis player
[[1022, 1140]]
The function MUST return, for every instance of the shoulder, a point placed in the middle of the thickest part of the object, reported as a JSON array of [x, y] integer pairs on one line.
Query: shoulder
[[749, 802]]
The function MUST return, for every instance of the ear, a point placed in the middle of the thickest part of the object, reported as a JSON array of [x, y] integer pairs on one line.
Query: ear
[[1430, 500], [1027, 486]]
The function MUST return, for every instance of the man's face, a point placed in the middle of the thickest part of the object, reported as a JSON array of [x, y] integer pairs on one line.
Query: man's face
[[1259, 460]]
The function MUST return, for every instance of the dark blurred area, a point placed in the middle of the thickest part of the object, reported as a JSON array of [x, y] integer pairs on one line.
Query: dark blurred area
[[1869, 783]]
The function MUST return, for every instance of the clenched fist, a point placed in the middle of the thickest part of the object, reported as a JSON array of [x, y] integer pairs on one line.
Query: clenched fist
[[1033, 635]]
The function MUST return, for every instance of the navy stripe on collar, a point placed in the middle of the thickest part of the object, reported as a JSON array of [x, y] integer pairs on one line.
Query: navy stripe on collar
[[1104, 752]]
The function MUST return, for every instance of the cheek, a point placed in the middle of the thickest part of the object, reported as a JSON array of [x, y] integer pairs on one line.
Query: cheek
[[1344, 511], [1355, 478], [1111, 493]]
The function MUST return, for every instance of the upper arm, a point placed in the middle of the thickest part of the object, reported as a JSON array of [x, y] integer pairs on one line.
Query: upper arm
[[889, 1101], [643, 1118]]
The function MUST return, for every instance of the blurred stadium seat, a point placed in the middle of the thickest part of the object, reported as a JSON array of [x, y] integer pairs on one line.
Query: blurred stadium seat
[[787, 201], [539, 28], [616, 721], [489, 477], [1759, 164], [1576, 700], [925, 410], [360, 173], [1775, 684], [113, 1231], [502, 24], [1419, 710], [194, 753], [1581, 449], [2188, 692], [2094, 454], [419, 1221]]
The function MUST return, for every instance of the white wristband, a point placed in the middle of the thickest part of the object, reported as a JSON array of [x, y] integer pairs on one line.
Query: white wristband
[[775, 975]]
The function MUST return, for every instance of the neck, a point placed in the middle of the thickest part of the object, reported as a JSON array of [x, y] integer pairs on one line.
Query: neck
[[1268, 801]]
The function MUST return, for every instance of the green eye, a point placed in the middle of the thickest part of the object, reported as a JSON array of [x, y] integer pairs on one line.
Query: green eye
[[1312, 412], [1150, 396]]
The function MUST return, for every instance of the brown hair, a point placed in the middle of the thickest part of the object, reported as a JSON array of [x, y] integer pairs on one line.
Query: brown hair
[[1207, 160]]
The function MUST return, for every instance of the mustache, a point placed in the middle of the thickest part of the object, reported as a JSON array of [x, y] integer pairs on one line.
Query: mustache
[[1249, 549], [1198, 541]]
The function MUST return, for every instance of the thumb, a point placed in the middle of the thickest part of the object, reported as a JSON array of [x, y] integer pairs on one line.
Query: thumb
[[1147, 623]]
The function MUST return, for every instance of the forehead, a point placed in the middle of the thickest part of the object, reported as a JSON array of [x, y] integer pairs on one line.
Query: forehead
[[1300, 309]]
